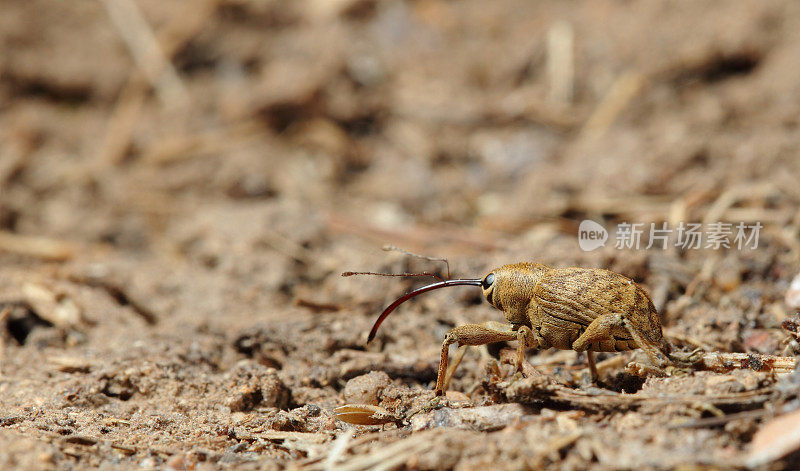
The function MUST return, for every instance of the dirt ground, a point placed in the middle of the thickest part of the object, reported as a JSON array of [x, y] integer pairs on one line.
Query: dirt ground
[[183, 182]]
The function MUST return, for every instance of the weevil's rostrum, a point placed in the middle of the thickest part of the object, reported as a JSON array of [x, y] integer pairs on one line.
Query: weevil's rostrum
[[581, 309]]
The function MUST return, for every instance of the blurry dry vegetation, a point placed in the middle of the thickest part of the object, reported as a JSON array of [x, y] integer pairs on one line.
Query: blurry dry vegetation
[[181, 183]]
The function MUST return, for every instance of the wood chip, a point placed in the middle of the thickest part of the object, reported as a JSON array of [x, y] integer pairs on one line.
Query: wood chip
[[128, 450], [41, 247], [364, 414], [723, 362], [317, 306], [389, 456], [59, 310], [69, 364], [484, 418], [295, 436], [775, 439], [793, 293], [81, 440]]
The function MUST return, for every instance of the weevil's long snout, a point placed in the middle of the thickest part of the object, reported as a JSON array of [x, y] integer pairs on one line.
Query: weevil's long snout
[[407, 296]]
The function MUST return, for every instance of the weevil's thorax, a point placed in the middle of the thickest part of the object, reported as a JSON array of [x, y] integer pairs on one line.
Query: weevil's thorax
[[511, 289]]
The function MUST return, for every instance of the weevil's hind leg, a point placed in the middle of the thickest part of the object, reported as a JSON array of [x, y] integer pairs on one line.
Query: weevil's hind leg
[[600, 331], [592, 366], [479, 334], [653, 350]]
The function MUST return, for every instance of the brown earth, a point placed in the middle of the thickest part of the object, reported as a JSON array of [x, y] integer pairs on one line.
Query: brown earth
[[172, 236]]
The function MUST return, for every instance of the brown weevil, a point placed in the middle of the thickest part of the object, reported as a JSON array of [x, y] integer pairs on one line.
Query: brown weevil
[[581, 309]]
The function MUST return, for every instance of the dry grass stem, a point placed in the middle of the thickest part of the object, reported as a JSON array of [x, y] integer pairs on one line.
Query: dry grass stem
[[44, 248], [150, 57], [561, 62], [625, 89]]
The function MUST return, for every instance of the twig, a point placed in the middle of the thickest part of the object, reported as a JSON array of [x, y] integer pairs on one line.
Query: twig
[[177, 148], [622, 205], [3, 316], [317, 463], [733, 195], [671, 333], [723, 362], [390, 456], [555, 445], [287, 246], [717, 421], [55, 308], [560, 62], [626, 87], [150, 57], [122, 123], [15, 156], [132, 98], [118, 293], [617, 361], [309, 437], [779, 217], [40, 247], [339, 447], [317, 307], [774, 439], [538, 389]]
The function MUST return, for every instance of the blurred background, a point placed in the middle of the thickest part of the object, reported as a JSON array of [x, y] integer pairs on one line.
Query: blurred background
[[181, 184]]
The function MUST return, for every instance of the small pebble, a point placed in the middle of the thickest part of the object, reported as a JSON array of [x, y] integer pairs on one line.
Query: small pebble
[[366, 389], [793, 293]]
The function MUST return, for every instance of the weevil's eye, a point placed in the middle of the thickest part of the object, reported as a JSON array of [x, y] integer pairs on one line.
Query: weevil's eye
[[487, 282]]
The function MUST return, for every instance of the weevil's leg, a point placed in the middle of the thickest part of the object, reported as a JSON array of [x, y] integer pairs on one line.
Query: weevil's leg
[[525, 339], [592, 366], [448, 340], [600, 331], [652, 349], [470, 334], [453, 365]]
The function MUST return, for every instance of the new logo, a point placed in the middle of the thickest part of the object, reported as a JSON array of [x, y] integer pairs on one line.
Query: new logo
[[591, 235]]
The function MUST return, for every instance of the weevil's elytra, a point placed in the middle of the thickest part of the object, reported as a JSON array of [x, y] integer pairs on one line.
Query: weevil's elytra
[[581, 309]]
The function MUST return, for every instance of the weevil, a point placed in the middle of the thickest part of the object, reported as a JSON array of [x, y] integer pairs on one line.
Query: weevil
[[581, 309]]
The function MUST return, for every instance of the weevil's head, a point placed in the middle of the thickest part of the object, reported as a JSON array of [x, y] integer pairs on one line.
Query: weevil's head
[[510, 288]]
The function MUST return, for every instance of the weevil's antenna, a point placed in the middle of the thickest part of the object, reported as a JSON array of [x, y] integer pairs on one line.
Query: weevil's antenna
[[418, 291], [425, 273], [392, 248]]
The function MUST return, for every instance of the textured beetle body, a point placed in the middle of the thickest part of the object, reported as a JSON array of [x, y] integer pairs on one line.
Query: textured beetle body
[[558, 304]]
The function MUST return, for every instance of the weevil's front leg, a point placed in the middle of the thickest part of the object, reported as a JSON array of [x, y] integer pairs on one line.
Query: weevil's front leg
[[453, 366], [481, 334]]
